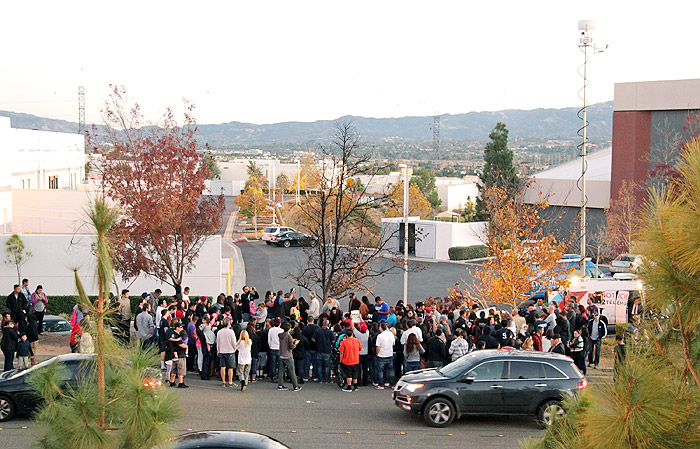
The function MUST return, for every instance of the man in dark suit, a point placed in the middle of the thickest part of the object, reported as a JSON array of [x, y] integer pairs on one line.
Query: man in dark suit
[[557, 345], [15, 303]]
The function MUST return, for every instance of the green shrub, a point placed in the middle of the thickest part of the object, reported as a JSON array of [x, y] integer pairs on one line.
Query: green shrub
[[468, 252]]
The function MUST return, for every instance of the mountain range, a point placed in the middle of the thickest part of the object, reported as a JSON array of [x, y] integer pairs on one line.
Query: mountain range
[[536, 123]]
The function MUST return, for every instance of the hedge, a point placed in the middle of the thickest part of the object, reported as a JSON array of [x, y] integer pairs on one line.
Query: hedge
[[468, 252], [64, 304]]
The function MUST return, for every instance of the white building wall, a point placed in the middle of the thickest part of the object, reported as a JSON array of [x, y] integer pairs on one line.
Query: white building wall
[[55, 256], [456, 196]]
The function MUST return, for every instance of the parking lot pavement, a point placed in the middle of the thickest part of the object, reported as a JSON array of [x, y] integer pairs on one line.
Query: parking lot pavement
[[271, 267], [318, 416]]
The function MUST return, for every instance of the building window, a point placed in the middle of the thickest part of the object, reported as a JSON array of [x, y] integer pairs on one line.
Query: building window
[[53, 182]]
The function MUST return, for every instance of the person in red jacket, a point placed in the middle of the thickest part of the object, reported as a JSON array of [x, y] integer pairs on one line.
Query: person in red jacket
[[350, 360], [537, 338]]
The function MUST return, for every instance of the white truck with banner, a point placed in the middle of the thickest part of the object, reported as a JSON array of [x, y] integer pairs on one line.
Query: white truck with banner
[[612, 296]]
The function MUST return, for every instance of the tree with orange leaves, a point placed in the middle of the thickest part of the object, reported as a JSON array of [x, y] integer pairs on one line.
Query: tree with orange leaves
[[523, 256], [418, 204]]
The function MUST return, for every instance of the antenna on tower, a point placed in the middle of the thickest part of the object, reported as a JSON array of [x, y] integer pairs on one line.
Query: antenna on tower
[[81, 110], [436, 134]]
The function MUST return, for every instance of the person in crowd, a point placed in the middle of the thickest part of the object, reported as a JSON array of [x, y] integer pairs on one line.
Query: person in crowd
[[124, 314], [245, 359], [314, 306], [323, 339], [361, 332], [459, 346], [310, 361], [226, 347], [205, 339], [76, 335], [177, 353], [597, 331], [24, 352], [299, 352], [286, 345], [39, 300], [15, 303], [620, 351], [436, 351], [86, 345], [33, 336], [273, 353], [381, 308], [330, 304], [350, 361], [537, 338], [412, 351], [557, 345], [144, 326], [10, 337], [576, 350]]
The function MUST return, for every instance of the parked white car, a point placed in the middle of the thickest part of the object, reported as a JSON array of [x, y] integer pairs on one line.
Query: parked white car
[[275, 231], [626, 263]]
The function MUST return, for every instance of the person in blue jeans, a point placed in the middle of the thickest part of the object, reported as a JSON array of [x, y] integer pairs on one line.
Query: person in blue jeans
[[597, 331], [310, 360], [384, 360], [323, 339]]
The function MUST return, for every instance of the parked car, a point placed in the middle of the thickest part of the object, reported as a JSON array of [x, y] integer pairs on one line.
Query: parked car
[[626, 263], [274, 231], [214, 439], [294, 238], [56, 325], [17, 397], [493, 382]]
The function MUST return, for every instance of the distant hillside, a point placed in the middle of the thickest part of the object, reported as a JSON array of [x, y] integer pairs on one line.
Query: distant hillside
[[536, 123]]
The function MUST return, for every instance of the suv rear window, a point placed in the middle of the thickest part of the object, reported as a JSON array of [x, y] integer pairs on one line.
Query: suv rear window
[[525, 370], [553, 373]]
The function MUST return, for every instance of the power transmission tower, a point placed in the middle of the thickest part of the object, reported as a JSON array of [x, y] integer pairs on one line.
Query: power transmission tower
[[81, 110], [436, 134]]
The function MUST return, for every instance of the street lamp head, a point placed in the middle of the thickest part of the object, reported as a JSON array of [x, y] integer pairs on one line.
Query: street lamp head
[[586, 25]]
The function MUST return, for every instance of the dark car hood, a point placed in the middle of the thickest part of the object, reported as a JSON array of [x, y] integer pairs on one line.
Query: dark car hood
[[423, 376]]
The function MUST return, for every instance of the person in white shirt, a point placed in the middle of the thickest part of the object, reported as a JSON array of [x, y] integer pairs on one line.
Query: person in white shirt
[[385, 356], [244, 358], [226, 347], [186, 296], [412, 329], [273, 342], [314, 306]]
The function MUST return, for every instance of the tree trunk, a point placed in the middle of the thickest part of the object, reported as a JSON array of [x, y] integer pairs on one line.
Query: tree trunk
[[100, 356]]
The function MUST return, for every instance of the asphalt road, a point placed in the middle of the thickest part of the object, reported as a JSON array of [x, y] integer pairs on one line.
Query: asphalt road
[[270, 267], [318, 416]]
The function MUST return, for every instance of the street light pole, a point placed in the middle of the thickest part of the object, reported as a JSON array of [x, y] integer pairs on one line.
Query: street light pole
[[406, 179]]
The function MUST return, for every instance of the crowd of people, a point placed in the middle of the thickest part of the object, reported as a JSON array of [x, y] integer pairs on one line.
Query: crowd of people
[[284, 338], [293, 340], [22, 325]]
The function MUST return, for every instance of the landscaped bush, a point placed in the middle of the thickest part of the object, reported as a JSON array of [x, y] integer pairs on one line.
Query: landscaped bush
[[468, 252]]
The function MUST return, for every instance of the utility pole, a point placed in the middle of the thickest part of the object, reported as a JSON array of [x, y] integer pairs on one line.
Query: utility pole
[[585, 43], [298, 179], [406, 172]]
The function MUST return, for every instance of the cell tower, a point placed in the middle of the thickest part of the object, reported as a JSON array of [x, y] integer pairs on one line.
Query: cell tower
[[436, 134], [81, 110]]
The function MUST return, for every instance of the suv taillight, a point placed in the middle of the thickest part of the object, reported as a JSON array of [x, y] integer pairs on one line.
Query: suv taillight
[[583, 384]]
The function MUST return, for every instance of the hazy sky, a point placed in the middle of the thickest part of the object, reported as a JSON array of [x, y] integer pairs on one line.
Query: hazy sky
[[271, 61]]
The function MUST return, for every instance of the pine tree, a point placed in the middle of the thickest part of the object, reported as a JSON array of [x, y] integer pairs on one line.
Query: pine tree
[[117, 403], [498, 168], [654, 400]]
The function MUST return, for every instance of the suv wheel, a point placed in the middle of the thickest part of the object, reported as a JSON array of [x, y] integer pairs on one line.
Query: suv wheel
[[287, 243], [550, 411], [439, 412], [7, 409]]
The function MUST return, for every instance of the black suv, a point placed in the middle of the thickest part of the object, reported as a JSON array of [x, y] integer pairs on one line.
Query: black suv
[[491, 382]]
